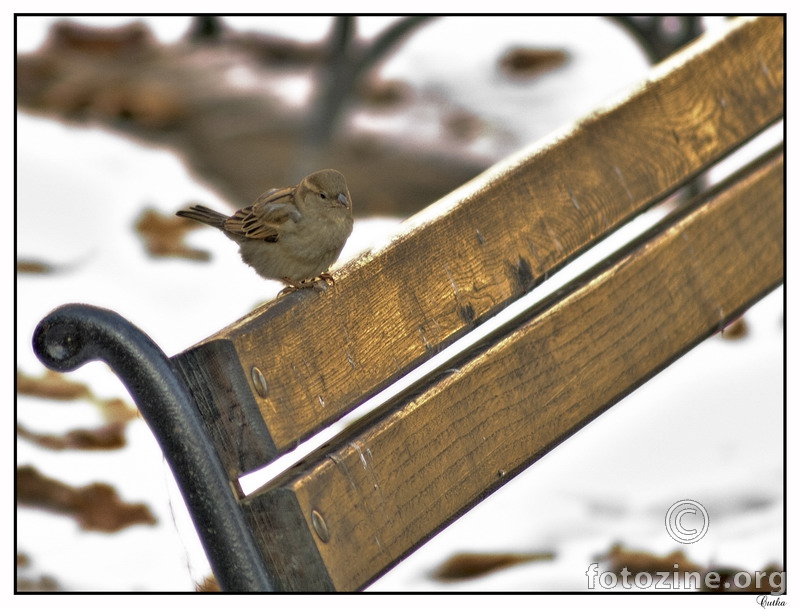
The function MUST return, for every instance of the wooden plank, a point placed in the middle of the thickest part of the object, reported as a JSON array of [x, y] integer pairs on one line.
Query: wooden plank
[[378, 491], [222, 393], [469, 255]]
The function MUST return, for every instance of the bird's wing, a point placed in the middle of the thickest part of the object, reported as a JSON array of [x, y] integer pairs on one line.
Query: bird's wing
[[264, 218]]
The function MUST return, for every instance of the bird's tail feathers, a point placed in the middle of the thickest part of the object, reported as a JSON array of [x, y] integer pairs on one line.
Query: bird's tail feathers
[[203, 214]]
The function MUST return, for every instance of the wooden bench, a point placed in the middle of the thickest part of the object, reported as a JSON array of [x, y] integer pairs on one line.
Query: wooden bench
[[356, 506]]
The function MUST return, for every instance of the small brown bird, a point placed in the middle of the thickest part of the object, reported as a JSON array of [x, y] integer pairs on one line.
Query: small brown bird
[[292, 234]]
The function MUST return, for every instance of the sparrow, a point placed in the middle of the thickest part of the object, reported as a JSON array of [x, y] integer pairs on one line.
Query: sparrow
[[290, 234]]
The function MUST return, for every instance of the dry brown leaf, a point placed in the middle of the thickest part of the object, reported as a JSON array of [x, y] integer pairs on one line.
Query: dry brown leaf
[[467, 564], [645, 562], [31, 266], [525, 63], [151, 104], [107, 437], [115, 410], [53, 385], [726, 580], [463, 125], [735, 330], [26, 583], [384, 93], [44, 583], [163, 235], [125, 40], [34, 267], [56, 386], [96, 507]]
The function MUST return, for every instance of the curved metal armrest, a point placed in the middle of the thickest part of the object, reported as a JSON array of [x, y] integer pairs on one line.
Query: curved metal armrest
[[75, 334]]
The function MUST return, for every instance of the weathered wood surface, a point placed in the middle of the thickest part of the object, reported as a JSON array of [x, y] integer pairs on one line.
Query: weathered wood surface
[[376, 492], [469, 255]]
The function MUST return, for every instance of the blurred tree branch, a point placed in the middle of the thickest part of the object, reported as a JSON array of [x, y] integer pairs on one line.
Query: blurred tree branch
[[345, 65]]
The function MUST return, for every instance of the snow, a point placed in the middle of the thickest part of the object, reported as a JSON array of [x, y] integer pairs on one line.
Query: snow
[[709, 428]]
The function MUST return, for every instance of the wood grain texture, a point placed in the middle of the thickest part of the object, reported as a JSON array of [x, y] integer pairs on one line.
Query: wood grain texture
[[384, 487], [221, 391], [469, 255]]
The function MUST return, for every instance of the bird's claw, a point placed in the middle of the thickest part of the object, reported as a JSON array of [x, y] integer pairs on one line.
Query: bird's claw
[[326, 277], [319, 283]]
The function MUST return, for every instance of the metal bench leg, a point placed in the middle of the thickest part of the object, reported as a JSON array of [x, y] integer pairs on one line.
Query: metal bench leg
[[73, 335]]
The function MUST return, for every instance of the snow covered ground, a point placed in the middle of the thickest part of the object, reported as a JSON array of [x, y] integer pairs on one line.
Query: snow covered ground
[[710, 428]]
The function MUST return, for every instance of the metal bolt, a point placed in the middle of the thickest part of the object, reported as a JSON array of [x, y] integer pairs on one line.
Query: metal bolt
[[319, 526], [259, 382]]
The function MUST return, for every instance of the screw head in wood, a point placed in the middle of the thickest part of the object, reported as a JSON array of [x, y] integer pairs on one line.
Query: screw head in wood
[[259, 382], [321, 529]]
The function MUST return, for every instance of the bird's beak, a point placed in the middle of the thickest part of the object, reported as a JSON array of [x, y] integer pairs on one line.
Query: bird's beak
[[342, 198]]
